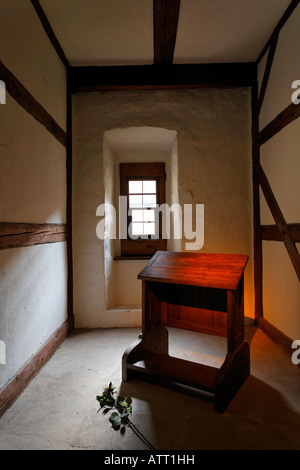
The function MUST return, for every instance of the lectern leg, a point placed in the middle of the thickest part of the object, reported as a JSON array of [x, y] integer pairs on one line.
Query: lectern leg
[[154, 339], [231, 376], [129, 356]]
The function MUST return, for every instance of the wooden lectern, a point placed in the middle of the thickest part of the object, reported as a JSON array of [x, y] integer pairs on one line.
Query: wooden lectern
[[200, 292]]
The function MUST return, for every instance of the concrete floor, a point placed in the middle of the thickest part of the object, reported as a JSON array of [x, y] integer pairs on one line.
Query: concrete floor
[[58, 410]]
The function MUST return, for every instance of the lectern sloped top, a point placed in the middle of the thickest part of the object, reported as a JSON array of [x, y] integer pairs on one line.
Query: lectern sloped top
[[222, 271]]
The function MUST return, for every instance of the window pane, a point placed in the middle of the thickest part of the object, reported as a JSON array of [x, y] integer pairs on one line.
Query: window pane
[[149, 200], [135, 187], [149, 228], [137, 215], [149, 187], [137, 228], [135, 201], [149, 215]]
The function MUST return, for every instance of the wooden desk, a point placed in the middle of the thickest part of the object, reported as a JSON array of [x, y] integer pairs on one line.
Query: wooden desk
[[194, 291]]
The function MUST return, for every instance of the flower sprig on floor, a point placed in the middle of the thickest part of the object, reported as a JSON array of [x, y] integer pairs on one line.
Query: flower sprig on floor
[[121, 404], [123, 407]]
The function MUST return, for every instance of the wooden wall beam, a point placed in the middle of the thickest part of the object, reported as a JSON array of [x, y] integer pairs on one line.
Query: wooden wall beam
[[49, 31], [69, 164], [288, 233], [32, 106], [279, 219], [165, 21], [271, 232], [162, 76], [15, 235], [257, 242], [288, 115], [268, 67], [279, 26]]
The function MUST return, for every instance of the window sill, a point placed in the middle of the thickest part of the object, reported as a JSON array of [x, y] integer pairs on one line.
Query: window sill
[[133, 258]]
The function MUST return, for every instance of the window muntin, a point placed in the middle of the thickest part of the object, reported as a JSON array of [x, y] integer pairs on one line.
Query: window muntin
[[142, 196]]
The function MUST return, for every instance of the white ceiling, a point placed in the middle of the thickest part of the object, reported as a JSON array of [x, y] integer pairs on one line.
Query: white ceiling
[[120, 32]]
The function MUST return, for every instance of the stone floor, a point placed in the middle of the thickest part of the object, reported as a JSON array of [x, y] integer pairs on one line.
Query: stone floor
[[59, 411]]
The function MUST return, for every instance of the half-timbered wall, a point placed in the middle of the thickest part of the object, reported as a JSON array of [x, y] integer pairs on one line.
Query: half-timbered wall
[[33, 193], [279, 143], [214, 165]]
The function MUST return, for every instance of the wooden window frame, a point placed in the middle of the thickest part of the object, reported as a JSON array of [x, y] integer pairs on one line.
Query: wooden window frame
[[131, 171]]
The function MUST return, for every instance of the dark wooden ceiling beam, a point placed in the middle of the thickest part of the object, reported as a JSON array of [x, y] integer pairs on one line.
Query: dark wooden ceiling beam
[[162, 76], [165, 21]]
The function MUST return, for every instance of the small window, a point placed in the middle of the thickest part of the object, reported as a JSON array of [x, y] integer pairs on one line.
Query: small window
[[144, 186]]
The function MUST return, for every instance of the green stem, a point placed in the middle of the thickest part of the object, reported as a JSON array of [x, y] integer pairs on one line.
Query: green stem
[[140, 434]]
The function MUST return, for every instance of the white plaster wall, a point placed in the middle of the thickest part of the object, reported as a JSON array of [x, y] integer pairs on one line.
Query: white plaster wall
[[214, 168], [33, 289], [27, 52], [281, 163], [126, 286], [281, 299], [33, 169]]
